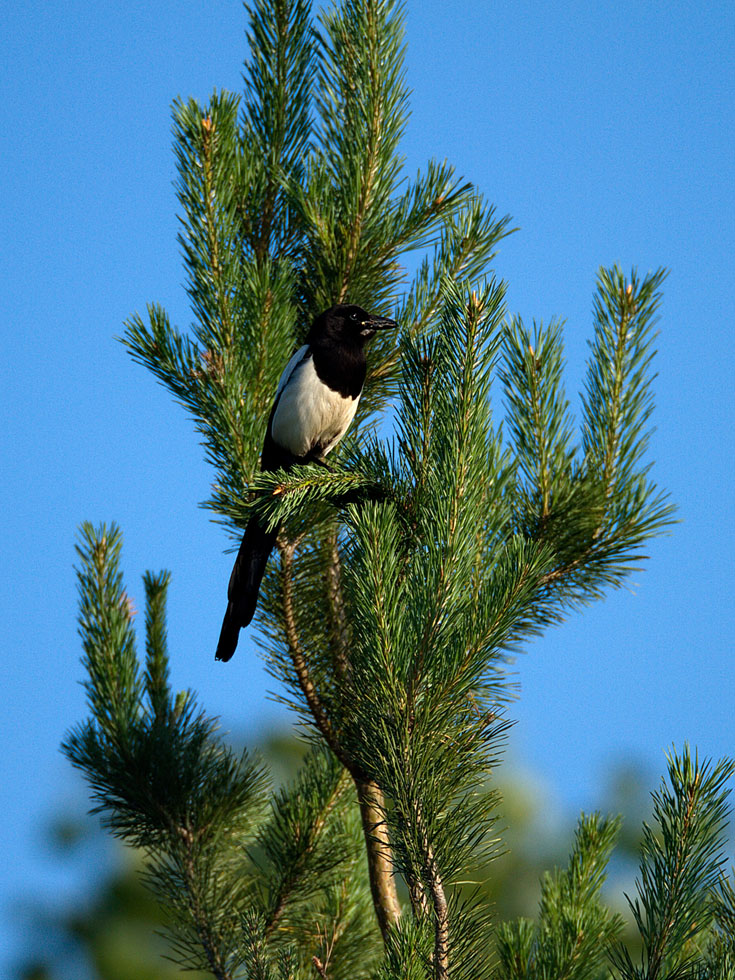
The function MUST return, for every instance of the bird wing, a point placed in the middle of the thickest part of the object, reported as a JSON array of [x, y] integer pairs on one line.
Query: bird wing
[[299, 357]]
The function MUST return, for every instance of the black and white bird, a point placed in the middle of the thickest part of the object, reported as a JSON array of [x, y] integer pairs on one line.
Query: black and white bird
[[315, 403]]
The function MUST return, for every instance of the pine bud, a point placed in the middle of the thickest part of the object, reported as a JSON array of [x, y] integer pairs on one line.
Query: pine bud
[[128, 606]]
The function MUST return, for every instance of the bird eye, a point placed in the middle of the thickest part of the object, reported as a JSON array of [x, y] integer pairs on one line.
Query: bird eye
[[353, 316]]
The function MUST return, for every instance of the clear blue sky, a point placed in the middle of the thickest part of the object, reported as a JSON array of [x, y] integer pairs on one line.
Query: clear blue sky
[[606, 129]]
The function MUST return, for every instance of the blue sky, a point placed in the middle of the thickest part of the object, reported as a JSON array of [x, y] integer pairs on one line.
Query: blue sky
[[605, 129]]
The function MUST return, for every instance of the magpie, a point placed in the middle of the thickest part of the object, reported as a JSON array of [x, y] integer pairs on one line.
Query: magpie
[[315, 402]]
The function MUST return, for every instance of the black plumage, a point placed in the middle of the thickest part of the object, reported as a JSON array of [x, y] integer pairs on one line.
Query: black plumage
[[315, 403]]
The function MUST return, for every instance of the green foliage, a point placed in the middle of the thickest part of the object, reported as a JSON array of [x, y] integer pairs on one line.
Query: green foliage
[[161, 778], [681, 892], [685, 905], [308, 886], [718, 961], [574, 929], [403, 577], [293, 202], [595, 502], [540, 427], [241, 883]]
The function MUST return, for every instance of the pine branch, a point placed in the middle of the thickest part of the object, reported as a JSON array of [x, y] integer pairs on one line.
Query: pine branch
[[435, 886], [113, 687], [208, 152], [539, 421], [300, 858], [468, 384], [368, 113], [276, 110], [596, 511], [574, 929], [216, 958], [157, 674], [370, 797], [680, 865], [469, 233], [339, 622], [281, 495], [159, 776], [618, 401]]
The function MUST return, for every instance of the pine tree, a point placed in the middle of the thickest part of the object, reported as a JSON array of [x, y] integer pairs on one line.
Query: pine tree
[[404, 576]]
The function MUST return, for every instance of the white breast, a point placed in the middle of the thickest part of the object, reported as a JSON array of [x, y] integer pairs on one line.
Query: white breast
[[309, 413]]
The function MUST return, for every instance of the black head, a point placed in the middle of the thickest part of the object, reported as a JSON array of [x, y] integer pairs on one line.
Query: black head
[[348, 324]]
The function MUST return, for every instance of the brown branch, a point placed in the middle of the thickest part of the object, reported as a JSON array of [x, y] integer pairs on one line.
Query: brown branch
[[379, 855], [417, 895], [441, 925], [298, 659], [337, 614], [556, 574], [369, 794], [435, 885]]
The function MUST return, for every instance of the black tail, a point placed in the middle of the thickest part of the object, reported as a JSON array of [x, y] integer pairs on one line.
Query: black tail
[[242, 592]]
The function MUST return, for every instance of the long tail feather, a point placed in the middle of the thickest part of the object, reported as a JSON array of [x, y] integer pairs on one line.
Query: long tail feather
[[242, 593]]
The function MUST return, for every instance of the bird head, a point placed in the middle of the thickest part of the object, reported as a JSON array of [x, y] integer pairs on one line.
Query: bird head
[[347, 323]]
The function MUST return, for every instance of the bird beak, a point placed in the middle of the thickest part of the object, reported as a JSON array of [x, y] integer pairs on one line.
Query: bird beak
[[380, 323]]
